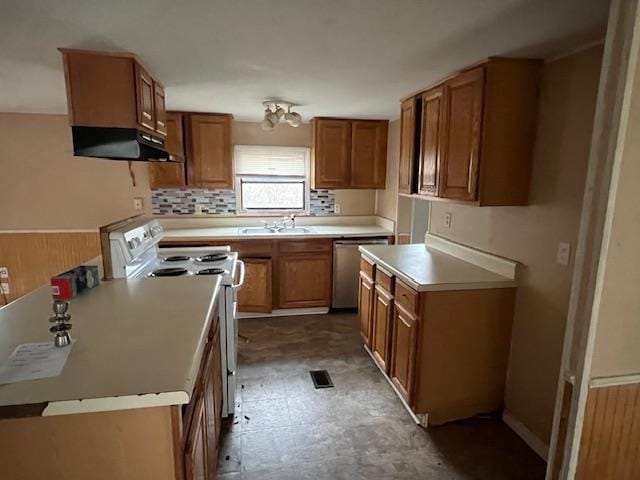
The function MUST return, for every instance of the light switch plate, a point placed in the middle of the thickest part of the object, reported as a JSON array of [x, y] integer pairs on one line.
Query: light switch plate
[[4, 272], [5, 288], [564, 254], [337, 208], [198, 209], [137, 203], [447, 220]]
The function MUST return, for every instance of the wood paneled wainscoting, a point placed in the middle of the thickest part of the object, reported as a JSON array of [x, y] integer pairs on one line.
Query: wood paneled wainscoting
[[610, 442], [33, 257]]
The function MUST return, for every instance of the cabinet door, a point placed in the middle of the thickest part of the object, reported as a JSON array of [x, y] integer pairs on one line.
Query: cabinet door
[[256, 293], [365, 307], [212, 417], [216, 372], [407, 164], [403, 351], [170, 174], [159, 109], [210, 161], [331, 150], [144, 95], [430, 141], [195, 450], [461, 135], [304, 280], [368, 154], [381, 341]]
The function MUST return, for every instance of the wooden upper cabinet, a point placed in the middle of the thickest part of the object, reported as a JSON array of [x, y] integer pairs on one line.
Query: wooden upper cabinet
[[461, 135], [112, 89], [160, 111], [408, 134], [209, 151], [368, 154], [430, 141], [331, 145], [170, 174], [349, 153], [145, 94], [477, 134]]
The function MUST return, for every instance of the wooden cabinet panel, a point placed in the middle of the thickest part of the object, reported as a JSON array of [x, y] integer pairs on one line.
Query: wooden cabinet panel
[[430, 141], [170, 174], [368, 154], [385, 280], [216, 372], [331, 150], [382, 318], [406, 296], [209, 151], [159, 109], [304, 280], [305, 246], [365, 306], [144, 95], [368, 267], [408, 130], [460, 147], [403, 351], [256, 293], [195, 452]]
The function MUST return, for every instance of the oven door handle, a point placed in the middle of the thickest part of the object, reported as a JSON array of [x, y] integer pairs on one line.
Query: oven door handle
[[242, 272]]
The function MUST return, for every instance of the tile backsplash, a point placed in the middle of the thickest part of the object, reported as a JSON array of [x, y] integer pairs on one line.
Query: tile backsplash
[[167, 201]]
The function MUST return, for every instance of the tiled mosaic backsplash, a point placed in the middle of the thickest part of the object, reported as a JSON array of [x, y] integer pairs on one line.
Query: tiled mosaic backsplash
[[223, 202]]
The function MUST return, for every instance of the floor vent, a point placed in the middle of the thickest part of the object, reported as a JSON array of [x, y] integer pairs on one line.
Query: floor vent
[[321, 379]]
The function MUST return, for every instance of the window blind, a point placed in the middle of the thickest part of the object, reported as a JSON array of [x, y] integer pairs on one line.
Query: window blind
[[272, 161]]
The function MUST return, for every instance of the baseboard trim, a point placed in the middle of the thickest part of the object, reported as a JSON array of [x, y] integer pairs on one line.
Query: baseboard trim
[[285, 312], [530, 438]]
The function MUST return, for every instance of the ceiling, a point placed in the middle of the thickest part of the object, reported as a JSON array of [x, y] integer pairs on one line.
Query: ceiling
[[333, 57]]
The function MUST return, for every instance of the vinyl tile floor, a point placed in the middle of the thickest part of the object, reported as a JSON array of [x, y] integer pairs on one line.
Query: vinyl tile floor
[[285, 429]]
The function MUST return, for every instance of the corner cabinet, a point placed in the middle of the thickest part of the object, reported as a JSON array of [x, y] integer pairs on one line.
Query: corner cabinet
[[445, 351], [476, 135], [348, 154]]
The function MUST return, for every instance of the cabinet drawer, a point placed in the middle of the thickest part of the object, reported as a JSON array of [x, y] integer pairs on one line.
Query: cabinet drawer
[[252, 248], [367, 267], [385, 280], [406, 296], [305, 246]]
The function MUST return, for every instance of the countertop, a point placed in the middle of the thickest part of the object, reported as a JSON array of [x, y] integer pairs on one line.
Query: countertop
[[137, 343], [318, 231], [426, 268]]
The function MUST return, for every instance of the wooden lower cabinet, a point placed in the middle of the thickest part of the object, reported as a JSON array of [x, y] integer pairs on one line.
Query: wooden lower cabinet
[[196, 465], [382, 318], [256, 293], [304, 280], [365, 307], [403, 351]]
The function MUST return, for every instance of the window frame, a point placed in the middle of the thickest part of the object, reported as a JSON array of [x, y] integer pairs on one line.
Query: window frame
[[305, 179]]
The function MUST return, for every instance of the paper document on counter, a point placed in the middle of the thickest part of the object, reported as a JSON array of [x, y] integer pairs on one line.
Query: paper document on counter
[[31, 361]]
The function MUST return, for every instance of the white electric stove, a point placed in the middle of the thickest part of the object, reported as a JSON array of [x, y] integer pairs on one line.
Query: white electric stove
[[135, 253]]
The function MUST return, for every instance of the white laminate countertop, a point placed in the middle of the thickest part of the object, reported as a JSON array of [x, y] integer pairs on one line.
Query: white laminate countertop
[[317, 231], [427, 269], [138, 343]]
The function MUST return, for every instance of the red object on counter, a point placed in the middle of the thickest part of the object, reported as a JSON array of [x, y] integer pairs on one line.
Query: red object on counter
[[69, 284]]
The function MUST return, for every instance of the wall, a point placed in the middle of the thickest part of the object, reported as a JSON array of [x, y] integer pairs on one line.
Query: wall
[[387, 199], [352, 202], [530, 234], [617, 342], [43, 186]]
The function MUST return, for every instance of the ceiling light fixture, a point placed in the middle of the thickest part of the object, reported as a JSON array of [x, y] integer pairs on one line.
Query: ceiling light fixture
[[274, 112]]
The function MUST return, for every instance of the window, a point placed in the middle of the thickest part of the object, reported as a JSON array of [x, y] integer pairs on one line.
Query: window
[[271, 179]]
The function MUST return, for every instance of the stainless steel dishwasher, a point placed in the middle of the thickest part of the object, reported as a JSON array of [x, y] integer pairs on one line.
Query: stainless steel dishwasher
[[346, 268]]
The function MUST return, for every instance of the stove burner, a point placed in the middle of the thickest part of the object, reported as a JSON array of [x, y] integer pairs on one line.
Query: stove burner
[[176, 258], [213, 257], [211, 271], [169, 272]]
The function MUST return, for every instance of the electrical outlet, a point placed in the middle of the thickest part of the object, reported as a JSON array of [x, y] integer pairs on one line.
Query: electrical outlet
[[4, 272], [564, 254], [447, 220], [137, 203], [5, 288], [337, 208], [198, 209]]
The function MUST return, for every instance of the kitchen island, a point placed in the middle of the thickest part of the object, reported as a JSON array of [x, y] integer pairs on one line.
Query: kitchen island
[[142, 372]]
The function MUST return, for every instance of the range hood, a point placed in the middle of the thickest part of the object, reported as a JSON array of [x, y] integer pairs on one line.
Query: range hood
[[119, 144]]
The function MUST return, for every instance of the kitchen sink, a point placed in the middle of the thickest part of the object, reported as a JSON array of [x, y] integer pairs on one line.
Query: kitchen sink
[[273, 230]]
